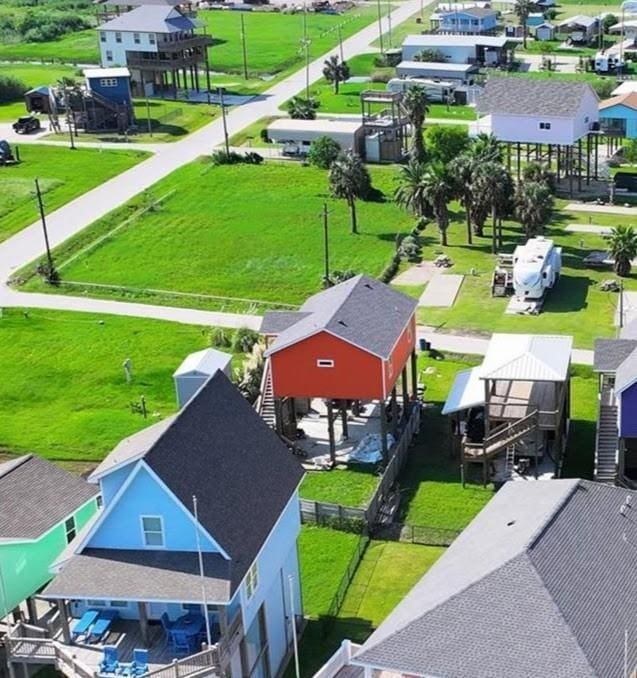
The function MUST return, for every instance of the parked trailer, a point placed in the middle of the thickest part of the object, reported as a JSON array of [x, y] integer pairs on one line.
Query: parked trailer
[[437, 90], [536, 268]]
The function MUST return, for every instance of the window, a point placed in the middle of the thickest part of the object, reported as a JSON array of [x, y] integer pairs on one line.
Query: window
[[196, 607], [96, 603], [136, 38], [153, 531], [252, 580], [69, 529], [119, 603], [324, 362], [118, 37], [151, 38], [99, 502], [545, 125], [102, 36], [108, 82], [109, 56]]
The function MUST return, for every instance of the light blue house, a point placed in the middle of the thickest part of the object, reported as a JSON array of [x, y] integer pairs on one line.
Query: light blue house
[[470, 21], [199, 509], [618, 115]]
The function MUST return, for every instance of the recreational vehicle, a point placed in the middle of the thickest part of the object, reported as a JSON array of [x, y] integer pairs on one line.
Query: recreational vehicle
[[536, 268]]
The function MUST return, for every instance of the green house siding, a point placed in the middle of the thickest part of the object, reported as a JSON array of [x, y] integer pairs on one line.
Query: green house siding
[[24, 566]]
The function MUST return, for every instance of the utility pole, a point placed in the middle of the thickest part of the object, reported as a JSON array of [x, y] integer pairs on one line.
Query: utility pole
[[225, 124], [69, 118], [148, 122], [38, 194], [326, 244], [243, 47], [380, 27], [389, 24], [340, 41], [621, 305], [306, 45]]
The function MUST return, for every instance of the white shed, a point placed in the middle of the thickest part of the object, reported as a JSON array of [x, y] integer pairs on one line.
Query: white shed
[[196, 369], [298, 135], [433, 70]]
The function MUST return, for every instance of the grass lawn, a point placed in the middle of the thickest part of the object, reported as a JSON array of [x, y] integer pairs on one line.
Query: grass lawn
[[32, 75], [63, 175], [64, 391], [432, 492], [575, 306], [580, 451], [348, 487], [324, 557], [261, 240], [73, 48]]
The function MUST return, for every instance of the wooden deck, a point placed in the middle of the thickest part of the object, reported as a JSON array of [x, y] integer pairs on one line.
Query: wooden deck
[[516, 399]]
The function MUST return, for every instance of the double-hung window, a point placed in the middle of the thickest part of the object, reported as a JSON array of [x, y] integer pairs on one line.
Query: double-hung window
[[153, 531], [70, 529], [252, 580], [545, 125]]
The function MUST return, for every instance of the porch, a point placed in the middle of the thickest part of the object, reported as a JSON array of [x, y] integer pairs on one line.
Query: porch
[[514, 400]]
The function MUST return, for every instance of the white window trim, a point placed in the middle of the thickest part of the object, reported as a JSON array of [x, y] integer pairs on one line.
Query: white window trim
[[324, 362], [252, 580], [163, 532], [73, 529]]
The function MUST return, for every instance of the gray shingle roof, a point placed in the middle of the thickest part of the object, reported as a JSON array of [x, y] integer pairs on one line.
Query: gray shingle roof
[[524, 96], [626, 373], [150, 19], [274, 322], [540, 584], [361, 310], [143, 575], [611, 353], [35, 495]]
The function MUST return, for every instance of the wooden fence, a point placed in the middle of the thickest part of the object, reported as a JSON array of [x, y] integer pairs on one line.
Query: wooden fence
[[359, 519]]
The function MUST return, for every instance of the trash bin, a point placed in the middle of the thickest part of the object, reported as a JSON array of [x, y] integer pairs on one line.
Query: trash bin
[[424, 344]]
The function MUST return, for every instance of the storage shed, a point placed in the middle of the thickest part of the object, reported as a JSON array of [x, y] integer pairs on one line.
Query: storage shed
[[298, 135], [196, 369]]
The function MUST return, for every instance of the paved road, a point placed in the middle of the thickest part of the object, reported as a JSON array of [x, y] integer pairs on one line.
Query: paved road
[[592, 208]]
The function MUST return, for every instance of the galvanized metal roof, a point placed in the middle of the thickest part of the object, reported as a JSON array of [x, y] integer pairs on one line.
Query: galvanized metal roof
[[467, 391], [443, 40], [540, 584], [205, 362], [527, 357]]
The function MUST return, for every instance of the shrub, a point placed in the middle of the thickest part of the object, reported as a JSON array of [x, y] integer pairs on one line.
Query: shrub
[[391, 269], [381, 76], [11, 89], [604, 87], [249, 384], [220, 157], [244, 339], [252, 158], [323, 152], [411, 249], [219, 338]]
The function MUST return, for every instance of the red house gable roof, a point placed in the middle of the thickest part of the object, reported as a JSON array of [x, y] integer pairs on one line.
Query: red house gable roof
[[361, 311]]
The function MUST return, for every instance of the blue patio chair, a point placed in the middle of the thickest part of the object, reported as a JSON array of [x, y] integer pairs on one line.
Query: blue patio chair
[[103, 625], [180, 641], [110, 662], [139, 665], [84, 624], [167, 625]]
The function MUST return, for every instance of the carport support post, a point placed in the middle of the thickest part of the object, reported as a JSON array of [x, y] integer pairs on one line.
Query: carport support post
[[344, 419], [414, 375], [394, 411], [330, 430], [405, 391], [383, 430], [33, 613], [143, 621], [278, 418], [64, 620]]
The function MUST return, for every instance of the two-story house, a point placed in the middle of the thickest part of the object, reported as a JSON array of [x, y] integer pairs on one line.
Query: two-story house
[[471, 21], [200, 517], [160, 47]]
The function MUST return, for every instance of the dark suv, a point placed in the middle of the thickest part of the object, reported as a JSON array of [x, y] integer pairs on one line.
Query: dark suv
[[26, 125]]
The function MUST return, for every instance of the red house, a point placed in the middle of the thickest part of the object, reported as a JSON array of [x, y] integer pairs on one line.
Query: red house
[[350, 342]]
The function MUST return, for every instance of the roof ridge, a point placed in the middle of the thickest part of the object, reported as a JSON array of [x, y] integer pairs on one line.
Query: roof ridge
[[533, 539], [12, 464]]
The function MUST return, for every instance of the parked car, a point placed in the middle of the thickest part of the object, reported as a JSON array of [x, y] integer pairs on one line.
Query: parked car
[[27, 124]]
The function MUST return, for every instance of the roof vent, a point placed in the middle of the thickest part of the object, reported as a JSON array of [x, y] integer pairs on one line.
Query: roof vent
[[628, 500], [343, 323], [623, 509], [511, 522], [368, 286]]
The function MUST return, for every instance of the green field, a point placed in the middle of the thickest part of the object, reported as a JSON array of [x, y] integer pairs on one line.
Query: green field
[[64, 175], [263, 239], [64, 392], [74, 48], [324, 556]]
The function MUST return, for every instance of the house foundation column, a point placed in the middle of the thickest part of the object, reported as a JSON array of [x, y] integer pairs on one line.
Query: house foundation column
[[383, 430], [143, 621], [278, 416], [394, 411], [414, 375], [405, 390], [33, 613], [330, 431], [344, 419], [64, 620]]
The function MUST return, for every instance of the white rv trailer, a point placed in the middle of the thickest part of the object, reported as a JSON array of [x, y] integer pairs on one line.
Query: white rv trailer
[[436, 90], [536, 268]]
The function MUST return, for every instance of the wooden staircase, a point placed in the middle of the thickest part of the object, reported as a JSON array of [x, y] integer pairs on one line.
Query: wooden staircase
[[606, 439], [265, 403], [501, 438]]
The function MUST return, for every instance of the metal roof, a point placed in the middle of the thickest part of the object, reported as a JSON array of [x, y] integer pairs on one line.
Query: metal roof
[[540, 584], [526, 97], [205, 362], [441, 40], [435, 66], [36, 495], [339, 126], [118, 72], [361, 310], [579, 20], [527, 357], [467, 391], [150, 19]]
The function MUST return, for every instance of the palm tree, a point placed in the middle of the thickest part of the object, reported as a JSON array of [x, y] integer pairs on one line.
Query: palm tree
[[623, 248], [300, 108], [335, 71], [415, 105], [492, 186], [349, 180], [539, 173], [461, 169], [533, 206], [437, 186], [522, 10], [486, 148], [410, 192]]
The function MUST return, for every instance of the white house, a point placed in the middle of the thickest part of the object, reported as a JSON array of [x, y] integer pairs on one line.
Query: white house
[[461, 49], [537, 111], [159, 46]]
